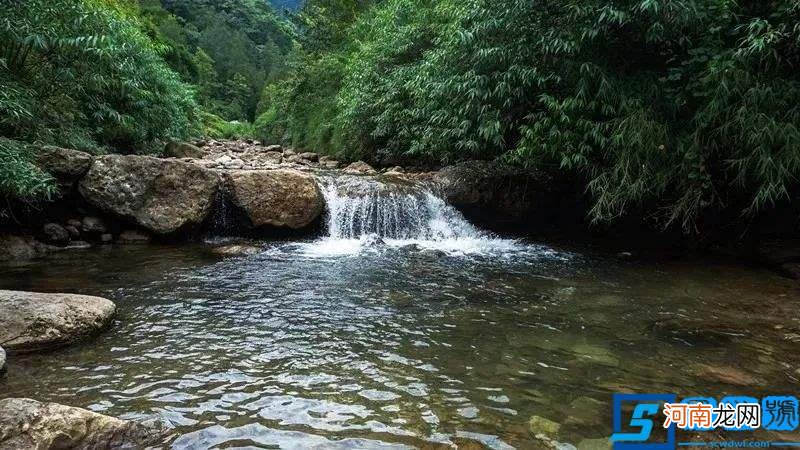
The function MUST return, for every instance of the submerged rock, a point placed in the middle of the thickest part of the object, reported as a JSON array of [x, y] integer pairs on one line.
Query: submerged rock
[[236, 250], [698, 331], [64, 163], [31, 321], [281, 198], [160, 195], [725, 374], [29, 424], [542, 426]]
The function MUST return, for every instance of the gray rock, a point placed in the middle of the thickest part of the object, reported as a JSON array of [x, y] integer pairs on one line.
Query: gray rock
[[2, 361], [31, 321], [236, 250], [286, 152], [74, 223], [234, 164], [328, 162], [161, 195], [64, 163], [106, 238], [271, 157], [281, 198], [360, 167], [27, 424], [92, 224], [273, 148], [297, 159], [133, 237], [310, 156], [396, 170], [223, 160], [55, 234], [183, 150]]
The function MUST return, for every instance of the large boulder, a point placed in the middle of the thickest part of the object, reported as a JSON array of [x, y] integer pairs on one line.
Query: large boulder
[[281, 198], [31, 321], [64, 163], [29, 424], [160, 195], [499, 194]]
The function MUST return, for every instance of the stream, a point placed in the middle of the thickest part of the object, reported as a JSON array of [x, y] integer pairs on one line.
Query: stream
[[403, 326]]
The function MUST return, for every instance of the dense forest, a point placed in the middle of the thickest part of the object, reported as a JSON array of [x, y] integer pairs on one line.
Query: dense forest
[[675, 109]]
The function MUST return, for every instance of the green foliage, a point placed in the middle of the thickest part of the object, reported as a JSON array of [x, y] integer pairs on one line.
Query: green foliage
[[218, 128], [20, 179], [82, 74], [670, 108], [229, 49]]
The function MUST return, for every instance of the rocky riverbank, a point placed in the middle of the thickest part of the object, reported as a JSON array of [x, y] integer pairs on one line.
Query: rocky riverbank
[[257, 189], [244, 188]]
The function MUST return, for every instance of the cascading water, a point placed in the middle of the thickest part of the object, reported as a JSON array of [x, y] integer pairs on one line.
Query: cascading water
[[365, 213], [358, 208]]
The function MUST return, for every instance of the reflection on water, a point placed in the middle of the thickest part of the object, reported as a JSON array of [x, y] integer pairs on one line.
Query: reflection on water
[[391, 345]]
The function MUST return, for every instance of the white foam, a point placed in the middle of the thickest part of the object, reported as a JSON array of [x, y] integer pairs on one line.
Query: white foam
[[365, 215]]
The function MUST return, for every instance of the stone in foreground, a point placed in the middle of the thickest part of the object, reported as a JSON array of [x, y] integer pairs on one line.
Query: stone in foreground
[[31, 321], [29, 424], [280, 198], [160, 195]]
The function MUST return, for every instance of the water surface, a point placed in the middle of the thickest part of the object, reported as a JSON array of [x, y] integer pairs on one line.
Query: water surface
[[358, 343]]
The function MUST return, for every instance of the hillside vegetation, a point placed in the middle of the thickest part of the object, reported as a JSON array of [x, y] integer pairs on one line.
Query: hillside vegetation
[[673, 108], [126, 76]]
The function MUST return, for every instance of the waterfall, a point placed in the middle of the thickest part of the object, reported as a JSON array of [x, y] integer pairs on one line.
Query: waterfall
[[358, 208]]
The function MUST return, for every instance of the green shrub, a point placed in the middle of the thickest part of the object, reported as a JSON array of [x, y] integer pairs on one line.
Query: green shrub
[[20, 179], [82, 74], [670, 109], [216, 127]]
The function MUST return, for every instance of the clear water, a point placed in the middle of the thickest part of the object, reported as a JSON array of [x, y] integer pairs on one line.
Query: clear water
[[353, 341]]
